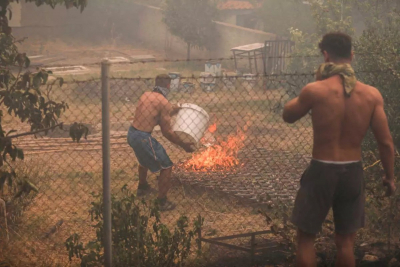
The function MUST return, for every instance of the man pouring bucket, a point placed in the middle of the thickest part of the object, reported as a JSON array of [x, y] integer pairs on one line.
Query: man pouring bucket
[[154, 109]]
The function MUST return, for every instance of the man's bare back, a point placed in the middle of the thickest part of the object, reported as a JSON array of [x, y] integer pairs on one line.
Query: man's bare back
[[340, 123], [148, 111], [154, 109]]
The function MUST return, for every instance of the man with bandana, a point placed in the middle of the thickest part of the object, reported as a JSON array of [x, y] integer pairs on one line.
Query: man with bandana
[[342, 111], [154, 109]]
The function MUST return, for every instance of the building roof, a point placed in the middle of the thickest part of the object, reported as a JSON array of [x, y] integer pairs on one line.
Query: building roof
[[235, 5]]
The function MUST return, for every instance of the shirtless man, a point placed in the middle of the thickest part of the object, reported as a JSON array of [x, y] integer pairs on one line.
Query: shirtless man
[[335, 176], [154, 109]]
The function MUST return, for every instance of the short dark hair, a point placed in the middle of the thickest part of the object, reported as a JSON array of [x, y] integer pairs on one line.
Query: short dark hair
[[163, 80], [336, 44]]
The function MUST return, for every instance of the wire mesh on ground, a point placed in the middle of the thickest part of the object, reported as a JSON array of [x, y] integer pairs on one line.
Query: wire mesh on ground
[[265, 171]]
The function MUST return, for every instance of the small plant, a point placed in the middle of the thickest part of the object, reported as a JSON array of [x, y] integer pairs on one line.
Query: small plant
[[277, 215], [139, 236]]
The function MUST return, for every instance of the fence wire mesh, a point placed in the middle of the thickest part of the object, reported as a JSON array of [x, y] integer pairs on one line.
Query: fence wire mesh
[[247, 164]]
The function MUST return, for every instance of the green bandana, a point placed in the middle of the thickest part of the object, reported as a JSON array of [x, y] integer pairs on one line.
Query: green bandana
[[345, 71]]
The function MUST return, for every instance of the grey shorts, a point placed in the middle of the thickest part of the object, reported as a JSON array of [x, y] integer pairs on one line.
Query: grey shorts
[[327, 185]]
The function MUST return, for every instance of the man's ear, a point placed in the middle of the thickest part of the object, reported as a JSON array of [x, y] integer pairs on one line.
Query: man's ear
[[326, 56], [352, 55]]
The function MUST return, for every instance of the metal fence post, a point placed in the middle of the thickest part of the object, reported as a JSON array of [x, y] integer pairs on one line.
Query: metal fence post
[[105, 84]]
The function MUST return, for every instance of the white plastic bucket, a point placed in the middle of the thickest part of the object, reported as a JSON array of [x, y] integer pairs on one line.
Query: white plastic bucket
[[191, 122]]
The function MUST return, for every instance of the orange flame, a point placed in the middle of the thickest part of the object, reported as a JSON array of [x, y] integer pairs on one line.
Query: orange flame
[[212, 128], [222, 156]]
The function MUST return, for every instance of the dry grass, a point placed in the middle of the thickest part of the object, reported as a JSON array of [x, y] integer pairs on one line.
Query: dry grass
[[68, 172], [66, 196]]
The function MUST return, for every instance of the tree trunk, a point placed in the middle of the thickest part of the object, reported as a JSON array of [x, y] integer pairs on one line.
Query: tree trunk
[[188, 52]]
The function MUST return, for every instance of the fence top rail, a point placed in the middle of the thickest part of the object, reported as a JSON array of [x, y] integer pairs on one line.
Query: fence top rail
[[138, 61]]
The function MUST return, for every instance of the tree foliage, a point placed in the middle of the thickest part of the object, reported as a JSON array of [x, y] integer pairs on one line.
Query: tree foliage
[[192, 21], [81, 4], [24, 94], [328, 16]]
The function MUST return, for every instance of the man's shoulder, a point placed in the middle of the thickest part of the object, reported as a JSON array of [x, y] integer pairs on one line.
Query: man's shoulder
[[162, 103], [369, 90], [313, 89], [314, 85], [153, 96]]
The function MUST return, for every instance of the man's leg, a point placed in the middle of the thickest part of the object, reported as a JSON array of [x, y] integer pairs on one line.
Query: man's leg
[[345, 250], [144, 187], [305, 256], [142, 174], [164, 183]]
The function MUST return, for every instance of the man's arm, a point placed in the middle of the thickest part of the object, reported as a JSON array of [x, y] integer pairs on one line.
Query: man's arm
[[298, 107], [380, 129], [175, 109], [166, 128]]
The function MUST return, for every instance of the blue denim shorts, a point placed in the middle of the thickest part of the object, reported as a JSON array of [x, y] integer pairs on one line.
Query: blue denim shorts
[[149, 152]]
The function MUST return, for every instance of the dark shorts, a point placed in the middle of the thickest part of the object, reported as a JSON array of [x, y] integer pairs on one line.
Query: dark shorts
[[326, 185], [149, 152]]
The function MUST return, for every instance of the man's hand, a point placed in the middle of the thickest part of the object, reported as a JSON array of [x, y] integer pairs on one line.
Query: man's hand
[[390, 187], [189, 147], [175, 109]]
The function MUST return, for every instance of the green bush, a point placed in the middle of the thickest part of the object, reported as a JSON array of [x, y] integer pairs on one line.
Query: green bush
[[139, 237]]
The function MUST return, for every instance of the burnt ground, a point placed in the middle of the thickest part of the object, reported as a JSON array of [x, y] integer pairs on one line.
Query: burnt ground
[[264, 176]]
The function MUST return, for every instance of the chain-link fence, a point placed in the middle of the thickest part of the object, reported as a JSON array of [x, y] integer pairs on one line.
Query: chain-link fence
[[242, 179]]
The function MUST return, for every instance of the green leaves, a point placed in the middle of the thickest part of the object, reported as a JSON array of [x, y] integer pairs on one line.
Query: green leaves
[[139, 237], [40, 78], [26, 96], [22, 60], [327, 16], [81, 4], [6, 177]]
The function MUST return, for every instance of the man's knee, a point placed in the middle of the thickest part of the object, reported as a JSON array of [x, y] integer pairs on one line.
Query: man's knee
[[305, 237], [169, 169], [142, 167], [166, 172], [345, 241]]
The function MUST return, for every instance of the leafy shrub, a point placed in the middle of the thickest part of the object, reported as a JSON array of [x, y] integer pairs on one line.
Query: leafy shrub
[[139, 237]]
